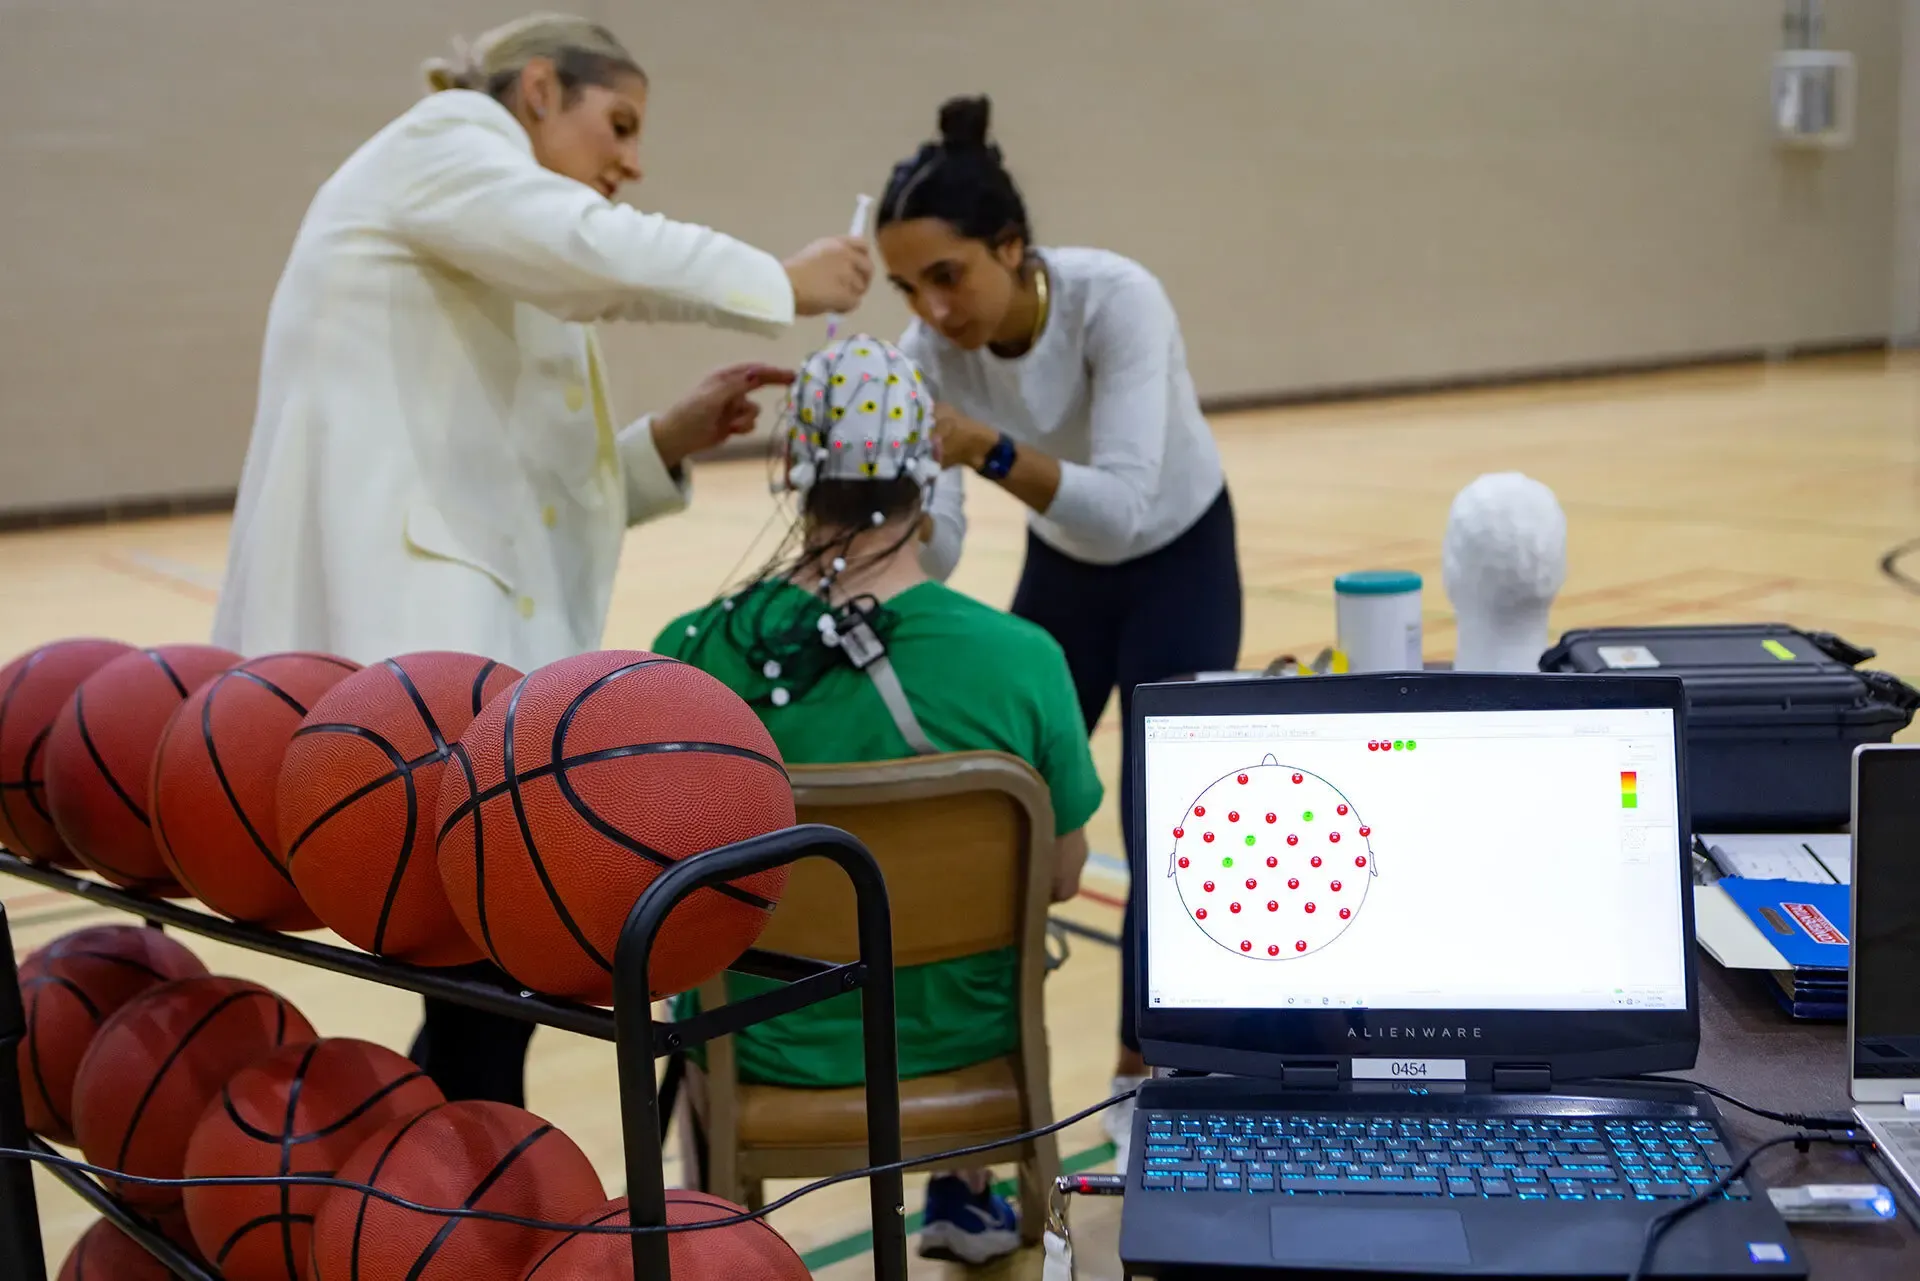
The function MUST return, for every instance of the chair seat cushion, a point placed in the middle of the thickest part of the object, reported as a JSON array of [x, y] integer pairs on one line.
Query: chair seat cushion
[[982, 1099]]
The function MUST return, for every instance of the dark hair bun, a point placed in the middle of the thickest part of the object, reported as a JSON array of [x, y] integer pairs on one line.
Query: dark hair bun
[[963, 123], [962, 180]]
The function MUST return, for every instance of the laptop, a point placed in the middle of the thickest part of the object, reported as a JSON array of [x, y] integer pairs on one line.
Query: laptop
[[1396, 931], [1883, 983]]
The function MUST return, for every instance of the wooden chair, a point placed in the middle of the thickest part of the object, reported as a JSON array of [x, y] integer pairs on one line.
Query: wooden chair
[[966, 841]]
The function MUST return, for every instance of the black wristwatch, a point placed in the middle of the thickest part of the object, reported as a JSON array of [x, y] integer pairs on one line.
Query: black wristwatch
[[999, 459]]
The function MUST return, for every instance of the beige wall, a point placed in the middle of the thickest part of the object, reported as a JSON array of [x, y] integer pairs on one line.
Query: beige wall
[[1338, 193], [1906, 258]]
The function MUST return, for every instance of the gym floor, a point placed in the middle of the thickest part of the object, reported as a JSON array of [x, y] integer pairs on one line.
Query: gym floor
[[1737, 493]]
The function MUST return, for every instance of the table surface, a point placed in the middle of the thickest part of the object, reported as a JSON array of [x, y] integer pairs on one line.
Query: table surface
[[1751, 1050]]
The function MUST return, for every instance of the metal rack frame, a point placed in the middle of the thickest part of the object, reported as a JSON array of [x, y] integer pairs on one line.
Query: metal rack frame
[[638, 1038]]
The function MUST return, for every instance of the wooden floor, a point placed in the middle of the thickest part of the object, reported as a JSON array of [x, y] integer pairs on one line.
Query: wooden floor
[[1750, 493]]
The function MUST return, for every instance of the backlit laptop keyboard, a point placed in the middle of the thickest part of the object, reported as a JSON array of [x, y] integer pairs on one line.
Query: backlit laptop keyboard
[[1540, 1158]]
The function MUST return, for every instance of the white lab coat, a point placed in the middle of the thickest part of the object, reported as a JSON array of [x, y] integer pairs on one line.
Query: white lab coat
[[433, 462]]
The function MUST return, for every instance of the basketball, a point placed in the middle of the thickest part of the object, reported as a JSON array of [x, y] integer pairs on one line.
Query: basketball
[[484, 1156], [100, 757], [106, 1253], [69, 987], [359, 790], [301, 1110], [156, 1064], [591, 776], [744, 1252], [33, 689], [215, 781]]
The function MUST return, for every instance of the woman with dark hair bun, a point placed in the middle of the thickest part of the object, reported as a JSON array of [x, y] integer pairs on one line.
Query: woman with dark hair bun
[[1061, 376]]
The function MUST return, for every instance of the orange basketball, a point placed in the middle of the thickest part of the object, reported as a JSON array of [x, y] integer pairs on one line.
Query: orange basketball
[[302, 1110], [215, 781], [156, 1064], [33, 689], [107, 1254], [483, 1156], [568, 796], [100, 756], [358, 793], [744, 1252], [71, 986]]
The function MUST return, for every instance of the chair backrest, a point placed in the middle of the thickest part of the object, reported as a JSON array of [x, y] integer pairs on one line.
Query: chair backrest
[[965, 840]]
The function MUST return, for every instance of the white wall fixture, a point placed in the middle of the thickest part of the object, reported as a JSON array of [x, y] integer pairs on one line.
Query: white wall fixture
[[1814, 89]]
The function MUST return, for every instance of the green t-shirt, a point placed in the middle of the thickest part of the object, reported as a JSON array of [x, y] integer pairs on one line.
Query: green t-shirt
[[978, 679]]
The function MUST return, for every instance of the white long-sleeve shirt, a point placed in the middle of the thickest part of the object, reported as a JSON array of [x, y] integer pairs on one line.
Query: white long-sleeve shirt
[[1106, 391], [434, 461]]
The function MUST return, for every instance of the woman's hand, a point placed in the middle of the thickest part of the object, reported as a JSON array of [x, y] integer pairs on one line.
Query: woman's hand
[[719, 407], [958, 441], [830, 275]]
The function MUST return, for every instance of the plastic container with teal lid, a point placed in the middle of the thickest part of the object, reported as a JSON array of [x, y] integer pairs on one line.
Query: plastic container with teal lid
[[1377, 619]]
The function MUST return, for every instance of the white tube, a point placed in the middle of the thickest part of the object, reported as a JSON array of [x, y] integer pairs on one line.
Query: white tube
[[861, 206]]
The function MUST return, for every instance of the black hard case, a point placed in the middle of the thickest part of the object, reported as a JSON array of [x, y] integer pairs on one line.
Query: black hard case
[[1774, 714]]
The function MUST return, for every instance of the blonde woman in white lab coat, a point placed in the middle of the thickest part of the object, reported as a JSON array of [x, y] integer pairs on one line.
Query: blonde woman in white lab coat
[[434, 464]]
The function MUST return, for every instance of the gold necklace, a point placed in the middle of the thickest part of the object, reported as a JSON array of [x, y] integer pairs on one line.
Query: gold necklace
[[1040, 317], [1041, 308]]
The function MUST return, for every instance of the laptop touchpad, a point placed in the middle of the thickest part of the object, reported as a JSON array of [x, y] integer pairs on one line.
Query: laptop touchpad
[[1368, 1234]]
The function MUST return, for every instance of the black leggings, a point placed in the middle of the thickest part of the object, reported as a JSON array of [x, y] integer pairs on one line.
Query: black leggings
[[474, 1054], [1169, 613]]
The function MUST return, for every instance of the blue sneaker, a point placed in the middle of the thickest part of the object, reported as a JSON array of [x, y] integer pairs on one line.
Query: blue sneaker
[[961, 1225]]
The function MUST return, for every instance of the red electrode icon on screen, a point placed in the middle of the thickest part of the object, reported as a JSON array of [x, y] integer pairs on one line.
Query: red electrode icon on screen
[[1316, 815]]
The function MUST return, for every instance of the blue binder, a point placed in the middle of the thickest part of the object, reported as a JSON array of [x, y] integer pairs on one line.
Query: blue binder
[[1807, 924]]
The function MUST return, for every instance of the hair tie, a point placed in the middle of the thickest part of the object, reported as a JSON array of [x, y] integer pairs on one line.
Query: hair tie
[[461, 70], [466, 62]]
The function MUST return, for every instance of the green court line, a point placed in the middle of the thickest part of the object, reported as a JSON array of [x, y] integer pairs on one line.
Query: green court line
[[860, 1243]]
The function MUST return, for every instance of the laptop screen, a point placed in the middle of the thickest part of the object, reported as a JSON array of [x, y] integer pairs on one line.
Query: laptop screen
[[1886, 915], [1426, 860]]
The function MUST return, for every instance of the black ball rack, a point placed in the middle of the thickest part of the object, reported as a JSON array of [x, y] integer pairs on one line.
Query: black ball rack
[[639, 1040]]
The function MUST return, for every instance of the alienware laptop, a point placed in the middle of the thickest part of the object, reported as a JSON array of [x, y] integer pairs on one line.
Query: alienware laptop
[[1883, 1009], [1394, 931]]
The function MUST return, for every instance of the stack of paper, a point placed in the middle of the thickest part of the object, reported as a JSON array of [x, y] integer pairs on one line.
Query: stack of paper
[[1780, 904], [1824, 859]]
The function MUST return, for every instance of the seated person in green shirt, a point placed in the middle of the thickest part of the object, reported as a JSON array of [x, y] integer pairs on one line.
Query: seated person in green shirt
[[970, 678]]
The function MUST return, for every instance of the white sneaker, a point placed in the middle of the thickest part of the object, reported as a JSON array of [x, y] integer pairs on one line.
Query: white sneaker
[[1119, 1122], [971, 1227]]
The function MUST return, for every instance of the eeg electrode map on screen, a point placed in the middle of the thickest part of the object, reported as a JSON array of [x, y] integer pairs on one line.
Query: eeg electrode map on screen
[[1452, 860]]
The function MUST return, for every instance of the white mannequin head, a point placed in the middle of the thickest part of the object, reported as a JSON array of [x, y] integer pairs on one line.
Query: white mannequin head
[[1503, 562]]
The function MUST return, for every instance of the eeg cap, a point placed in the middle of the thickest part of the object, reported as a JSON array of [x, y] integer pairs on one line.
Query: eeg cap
[[859, 410]]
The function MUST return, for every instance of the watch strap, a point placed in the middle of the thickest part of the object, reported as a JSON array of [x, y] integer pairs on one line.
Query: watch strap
[[999, 459]]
